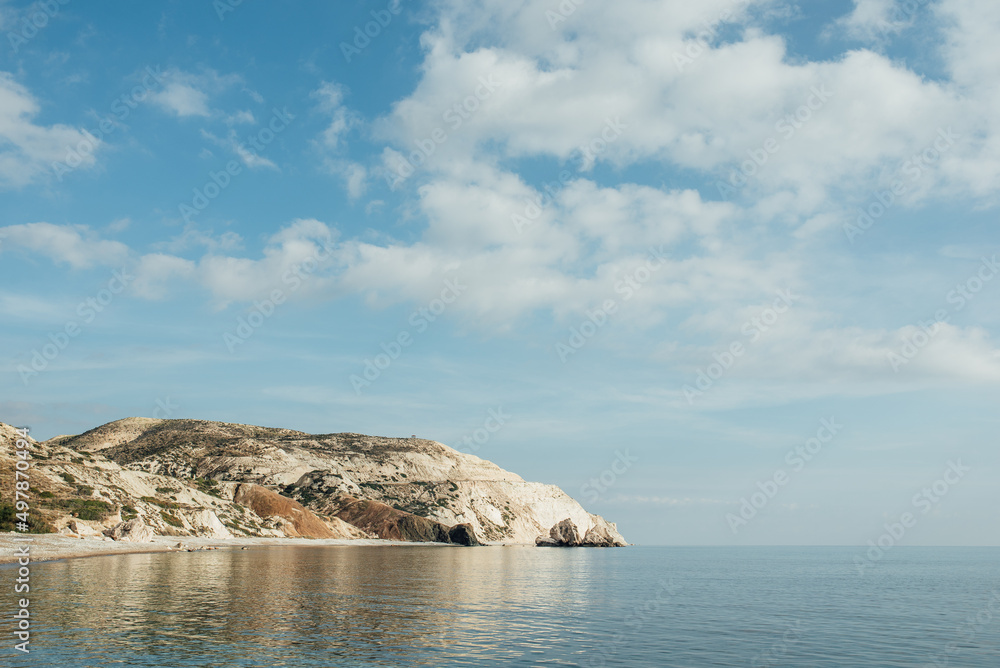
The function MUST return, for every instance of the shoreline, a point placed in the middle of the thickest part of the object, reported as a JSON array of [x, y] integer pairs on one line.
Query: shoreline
[[54, 547]]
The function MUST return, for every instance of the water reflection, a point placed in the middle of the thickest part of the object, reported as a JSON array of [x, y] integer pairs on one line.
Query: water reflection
[[269, 606], [437, 606]]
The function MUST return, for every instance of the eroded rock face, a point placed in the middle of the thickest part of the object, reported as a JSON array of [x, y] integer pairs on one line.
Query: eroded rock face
[[299, 520], [463, 534], [566, 534], [384, 521], [603, 534], [133, 531]]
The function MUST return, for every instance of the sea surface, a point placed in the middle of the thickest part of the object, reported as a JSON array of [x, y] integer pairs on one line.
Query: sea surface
[[516, 606]]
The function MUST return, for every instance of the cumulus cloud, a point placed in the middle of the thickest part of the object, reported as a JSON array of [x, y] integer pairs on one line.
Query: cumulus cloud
[[76, 245], [27, 150], [692, 103]]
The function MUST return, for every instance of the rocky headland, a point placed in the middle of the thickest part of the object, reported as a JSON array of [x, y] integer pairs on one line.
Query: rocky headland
[[137, 478]]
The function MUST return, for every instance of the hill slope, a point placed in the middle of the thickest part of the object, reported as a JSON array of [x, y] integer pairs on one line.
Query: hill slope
[[151, 466]]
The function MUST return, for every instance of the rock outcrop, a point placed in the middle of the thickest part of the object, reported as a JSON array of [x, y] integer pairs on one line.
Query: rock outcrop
[[463, 534], [603, 534], [297, 519], [133, 531], [566, 534], [391, 523]]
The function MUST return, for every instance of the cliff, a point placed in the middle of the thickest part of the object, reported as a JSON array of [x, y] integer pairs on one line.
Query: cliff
[[194, 477]]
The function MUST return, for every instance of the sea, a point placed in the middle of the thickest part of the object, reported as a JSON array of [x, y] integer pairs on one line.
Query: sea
[[517, 606]]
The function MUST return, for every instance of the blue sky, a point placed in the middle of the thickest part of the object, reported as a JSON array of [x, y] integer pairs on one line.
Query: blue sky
[[663, 241]]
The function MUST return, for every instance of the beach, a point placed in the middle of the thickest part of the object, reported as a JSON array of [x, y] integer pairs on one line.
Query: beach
[[49, 547]]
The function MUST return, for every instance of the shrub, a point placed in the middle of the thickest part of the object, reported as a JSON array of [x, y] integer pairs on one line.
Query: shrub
[[68, 477], [9, 520], [85, 509], [172, 520], [207, 485], [159, 502]]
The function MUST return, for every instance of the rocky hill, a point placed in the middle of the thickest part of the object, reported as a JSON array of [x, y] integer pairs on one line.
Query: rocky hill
[[194, 477]]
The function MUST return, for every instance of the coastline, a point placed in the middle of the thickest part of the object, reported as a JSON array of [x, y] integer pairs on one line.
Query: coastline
[[53, 547]]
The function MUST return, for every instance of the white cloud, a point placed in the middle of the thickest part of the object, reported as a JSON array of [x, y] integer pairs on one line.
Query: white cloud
[[331, 142], [240, 117], [873, 20], [330, 101], [28, 150], [251, 158], [76, 246], [233, 143], [192, 237], [119, 224], [187, 94], [306, 244], [556, 92], [156, 274]]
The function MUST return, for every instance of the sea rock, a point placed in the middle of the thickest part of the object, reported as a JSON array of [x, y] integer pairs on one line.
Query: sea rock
[[133, 531], [603, 534], [463, 534], [565, 534]]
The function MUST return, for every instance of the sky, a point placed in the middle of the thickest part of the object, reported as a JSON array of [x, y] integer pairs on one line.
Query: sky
[[723, 271]]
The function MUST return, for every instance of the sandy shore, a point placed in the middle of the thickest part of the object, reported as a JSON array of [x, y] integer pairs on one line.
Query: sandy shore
[[46, 547]]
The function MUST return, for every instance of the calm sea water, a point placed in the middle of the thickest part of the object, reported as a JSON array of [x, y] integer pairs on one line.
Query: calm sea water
[[431, 606]]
